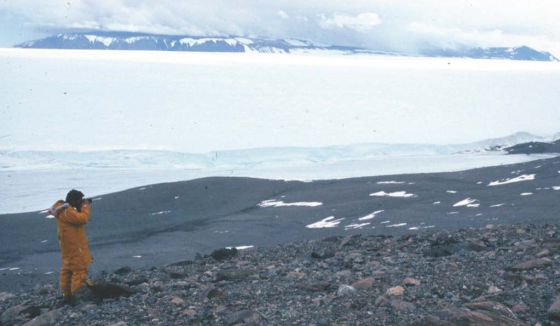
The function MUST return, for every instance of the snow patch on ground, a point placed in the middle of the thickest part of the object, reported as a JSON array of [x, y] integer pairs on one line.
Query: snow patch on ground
[[451, 191], [436, 202], [370, 216], [498, 205], [390, 182], [160, 213], [468, 202], [526, 193], [402, 194], [328, 222], [241, 247], [524, 177], [556, 188], [356, 226], [137, 256], [49, 216], [398, 225], [280, 203]]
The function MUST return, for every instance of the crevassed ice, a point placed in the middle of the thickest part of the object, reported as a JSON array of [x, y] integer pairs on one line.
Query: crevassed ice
[[328, 222], [370, 216], [523, 177], [402, 194], [280, 203]]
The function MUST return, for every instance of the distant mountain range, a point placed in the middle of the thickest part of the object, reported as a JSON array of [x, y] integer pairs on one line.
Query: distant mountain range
[[152, 42]]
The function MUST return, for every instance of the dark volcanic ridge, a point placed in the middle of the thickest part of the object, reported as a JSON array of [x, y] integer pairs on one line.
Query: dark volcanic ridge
[[164, 223], [114, 40], [495, 275], [535, 147]]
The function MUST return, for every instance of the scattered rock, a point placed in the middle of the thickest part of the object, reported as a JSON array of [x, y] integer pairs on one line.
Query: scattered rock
[[6, 295], [411, 281], [314, 286], [402, 306], [554, 310], [11, 314], [123, 270], [119, 323], [395, 291], [492, 289], [177, 301], [243, 316], [485, 313], [345, 290], [543, 253], [46, 319], [224, 253], [189, 312], [531, 264], [107, 290], [363, 284], [215, 294], [233, 274], [297, 283]]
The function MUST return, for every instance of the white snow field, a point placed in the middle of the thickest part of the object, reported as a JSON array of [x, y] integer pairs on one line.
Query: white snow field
[[104, 121]]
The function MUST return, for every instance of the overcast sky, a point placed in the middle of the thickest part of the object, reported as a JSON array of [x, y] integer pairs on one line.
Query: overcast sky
[[392, 25]]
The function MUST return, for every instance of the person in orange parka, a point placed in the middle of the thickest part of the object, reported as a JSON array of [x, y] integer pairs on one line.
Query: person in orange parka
[[72, 216]]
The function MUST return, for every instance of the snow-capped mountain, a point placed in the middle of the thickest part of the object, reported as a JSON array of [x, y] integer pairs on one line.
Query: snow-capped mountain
[[135, 41], [140, 41]]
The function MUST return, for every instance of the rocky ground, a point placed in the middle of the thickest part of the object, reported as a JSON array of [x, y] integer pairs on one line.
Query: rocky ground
[[496, 275]]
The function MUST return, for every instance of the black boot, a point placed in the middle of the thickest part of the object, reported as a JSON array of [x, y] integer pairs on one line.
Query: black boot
[[69, 300]]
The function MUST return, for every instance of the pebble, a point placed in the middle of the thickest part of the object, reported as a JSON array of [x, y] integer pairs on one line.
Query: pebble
[[395, 291], [345, 290], [411, 281], [363, 284]]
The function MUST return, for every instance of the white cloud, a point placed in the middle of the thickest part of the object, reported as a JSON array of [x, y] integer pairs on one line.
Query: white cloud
[[405, 26], [451, 37], [361, 23], [283, 14]]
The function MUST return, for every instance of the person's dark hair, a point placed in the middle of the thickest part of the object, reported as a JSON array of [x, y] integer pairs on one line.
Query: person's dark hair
[[74, 198]]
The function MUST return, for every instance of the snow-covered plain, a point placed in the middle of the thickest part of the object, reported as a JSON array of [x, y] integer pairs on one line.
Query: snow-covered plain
[[70, 118], [201, 102]]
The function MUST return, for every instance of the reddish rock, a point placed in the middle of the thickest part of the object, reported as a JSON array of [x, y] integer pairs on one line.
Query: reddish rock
[[395, 291], [531, 264], [363, 284]]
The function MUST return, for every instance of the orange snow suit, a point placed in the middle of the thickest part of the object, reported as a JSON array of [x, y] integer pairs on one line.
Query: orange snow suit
[[74, 248]]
